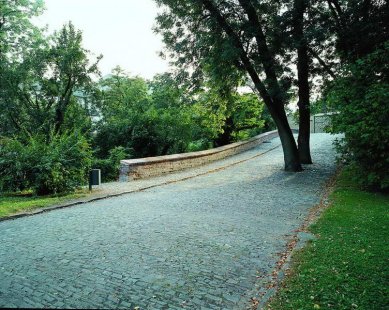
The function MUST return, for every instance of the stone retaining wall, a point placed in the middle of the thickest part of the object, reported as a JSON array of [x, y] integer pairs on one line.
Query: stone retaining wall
[[139, 168]]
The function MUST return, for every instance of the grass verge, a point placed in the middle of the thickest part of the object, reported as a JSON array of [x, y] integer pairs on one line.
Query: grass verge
[[347, 266], [25, 202]]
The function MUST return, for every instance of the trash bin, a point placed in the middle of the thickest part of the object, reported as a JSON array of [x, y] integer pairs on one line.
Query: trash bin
[[94, 178]]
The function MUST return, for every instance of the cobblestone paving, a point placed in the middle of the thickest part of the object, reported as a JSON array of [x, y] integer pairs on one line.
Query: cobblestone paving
[[194, 244]]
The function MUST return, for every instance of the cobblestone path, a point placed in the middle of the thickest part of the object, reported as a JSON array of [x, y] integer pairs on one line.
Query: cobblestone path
[[195, 244]]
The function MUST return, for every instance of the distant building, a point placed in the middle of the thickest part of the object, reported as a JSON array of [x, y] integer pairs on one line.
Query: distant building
[[320, 122]]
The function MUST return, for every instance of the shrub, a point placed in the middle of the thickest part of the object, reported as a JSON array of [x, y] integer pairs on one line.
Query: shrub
[[199, 145], [47, 165], [361, 96], [110, 167]]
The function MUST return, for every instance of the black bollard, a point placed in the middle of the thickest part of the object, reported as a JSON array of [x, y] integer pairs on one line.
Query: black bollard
[[94, 178]]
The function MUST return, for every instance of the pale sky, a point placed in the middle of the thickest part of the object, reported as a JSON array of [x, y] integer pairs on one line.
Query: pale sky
[[121, 30]]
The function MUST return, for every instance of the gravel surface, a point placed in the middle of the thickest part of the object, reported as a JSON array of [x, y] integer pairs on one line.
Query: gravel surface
[[199, 243]]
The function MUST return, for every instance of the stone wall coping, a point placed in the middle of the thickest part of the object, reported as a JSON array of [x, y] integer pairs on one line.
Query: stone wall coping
[[184, 156]]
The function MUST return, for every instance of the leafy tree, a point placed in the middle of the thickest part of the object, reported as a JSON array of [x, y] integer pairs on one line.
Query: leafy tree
[[166, 92], [18, 37], [39, 90], [247, 116], [359, 90], [229, 39], [229, 116], [147, 119], [121, 100], [71, 70], [42, 81], [361, 95]]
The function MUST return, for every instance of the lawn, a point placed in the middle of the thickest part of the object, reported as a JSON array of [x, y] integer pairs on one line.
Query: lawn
[[16, 203], [347, 266]]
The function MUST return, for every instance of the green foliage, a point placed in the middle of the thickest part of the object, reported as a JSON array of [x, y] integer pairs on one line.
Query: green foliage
[[199, 145], [45, 83], [16, 30], [110, 166], [346, 266], [210, 112], [145, 119], [201, 49], [161, 117], [226, 116], [247, 116], [361, 96], [54, 164]]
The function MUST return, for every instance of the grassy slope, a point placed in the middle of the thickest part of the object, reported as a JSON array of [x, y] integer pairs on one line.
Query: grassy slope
[[347, 267], [11, 204]]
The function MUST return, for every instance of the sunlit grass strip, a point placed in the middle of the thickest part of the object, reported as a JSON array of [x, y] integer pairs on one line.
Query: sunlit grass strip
[[15, 203], [347, 267]]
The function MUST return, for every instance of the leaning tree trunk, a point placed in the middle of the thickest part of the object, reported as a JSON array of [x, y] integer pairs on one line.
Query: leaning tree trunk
[[275, 103], [303, 83], [291, 154]]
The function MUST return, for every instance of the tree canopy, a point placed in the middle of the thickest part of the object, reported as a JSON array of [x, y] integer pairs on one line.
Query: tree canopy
[[230, 40]]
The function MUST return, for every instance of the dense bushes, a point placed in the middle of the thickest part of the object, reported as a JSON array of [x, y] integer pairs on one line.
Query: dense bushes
[[46, 165], [110, 166], [361, 96]]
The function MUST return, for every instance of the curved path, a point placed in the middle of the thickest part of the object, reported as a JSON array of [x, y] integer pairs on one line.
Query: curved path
[[200, 243]]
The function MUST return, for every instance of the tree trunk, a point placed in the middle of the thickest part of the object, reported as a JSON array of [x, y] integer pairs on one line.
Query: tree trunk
[[304, 135], [225, 137], [303, 84], [276, 103], [291, 154], [59, 119]]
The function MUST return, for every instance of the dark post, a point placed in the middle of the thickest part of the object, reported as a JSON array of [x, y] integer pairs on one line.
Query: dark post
[[314, 123], [94, 178]]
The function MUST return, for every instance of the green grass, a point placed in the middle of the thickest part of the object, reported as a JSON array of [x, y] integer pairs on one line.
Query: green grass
[[347, 267], [16, 203]]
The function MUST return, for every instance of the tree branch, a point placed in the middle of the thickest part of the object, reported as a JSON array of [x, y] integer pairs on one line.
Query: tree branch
[[326, 67], [337, 8], [209, 5], [264, 53], [14, 121]]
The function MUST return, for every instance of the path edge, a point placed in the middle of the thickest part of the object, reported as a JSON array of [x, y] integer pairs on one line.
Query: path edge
[[297, 241]]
